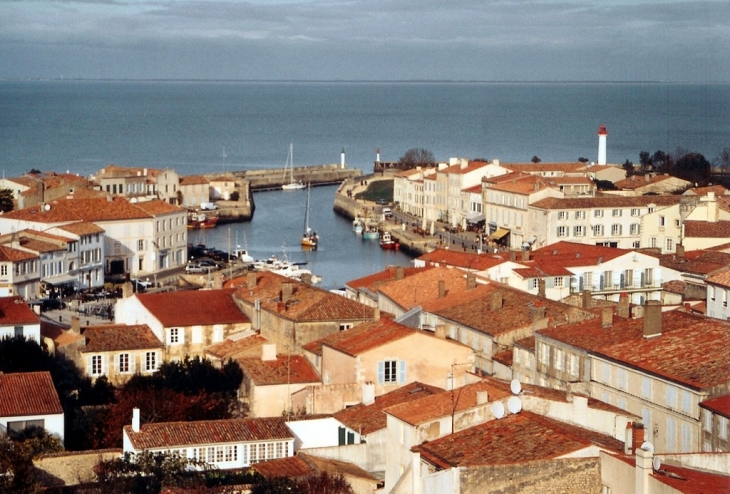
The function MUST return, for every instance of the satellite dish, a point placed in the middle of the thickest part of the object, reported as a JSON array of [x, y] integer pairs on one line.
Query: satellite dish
[[46, 207], [515, 386], [656, 463], [647, 446], [514, 404], [498, 409]]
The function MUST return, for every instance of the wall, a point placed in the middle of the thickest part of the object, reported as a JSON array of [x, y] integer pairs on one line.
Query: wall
[[541, 477]]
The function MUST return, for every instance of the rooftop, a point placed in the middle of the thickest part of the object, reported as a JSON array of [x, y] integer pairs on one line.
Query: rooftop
[[366, 336], [14, 311], [28, 393], [606, 202], [193, 307], [286, 369], [426, 285], [116, 337]]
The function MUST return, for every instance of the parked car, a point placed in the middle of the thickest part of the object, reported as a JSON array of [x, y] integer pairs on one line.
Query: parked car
[[47, 304], [197, 268], [144, 283], [387, 213]]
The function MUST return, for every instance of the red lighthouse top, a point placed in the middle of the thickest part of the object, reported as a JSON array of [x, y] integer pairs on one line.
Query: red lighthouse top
[[602, 131]]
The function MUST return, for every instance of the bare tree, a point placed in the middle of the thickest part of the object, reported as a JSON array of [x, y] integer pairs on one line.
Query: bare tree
[[417, 156]]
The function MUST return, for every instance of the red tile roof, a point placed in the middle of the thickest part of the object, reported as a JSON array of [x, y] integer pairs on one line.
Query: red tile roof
[[82, 228], [307, 303], [193, 180], [605, 202], [370, 418], [691, 481], [544, 167], [339, 467], [117, 337], [366, 336], [637, 181], [702, 262], [373, 281], [720, 405], [8, 254], [701, 364], [193, 307], [14, 311], [233, 347], [722, 279], [286, 369], [28, 393], [514, 439], [175, 434], [706, 229], [464, 260], [292, 467], [91, 209], [419, 288]]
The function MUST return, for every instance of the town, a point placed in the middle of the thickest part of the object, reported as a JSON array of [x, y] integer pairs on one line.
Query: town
[[573, 339]]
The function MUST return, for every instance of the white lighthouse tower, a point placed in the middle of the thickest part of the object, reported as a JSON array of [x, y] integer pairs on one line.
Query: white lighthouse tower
[[602, 133], [342, 158]]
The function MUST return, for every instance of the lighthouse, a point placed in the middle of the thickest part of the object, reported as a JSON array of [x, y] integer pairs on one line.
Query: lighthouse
[[342, 158], [602, 133]]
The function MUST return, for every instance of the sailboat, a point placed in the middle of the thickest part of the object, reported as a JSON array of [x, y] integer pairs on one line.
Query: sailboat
[[309, 238], [291, 185]]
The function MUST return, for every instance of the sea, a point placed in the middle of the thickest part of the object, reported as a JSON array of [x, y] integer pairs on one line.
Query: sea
[[198, 127]]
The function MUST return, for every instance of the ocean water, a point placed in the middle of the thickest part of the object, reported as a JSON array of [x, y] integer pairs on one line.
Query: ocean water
[[202, 127]]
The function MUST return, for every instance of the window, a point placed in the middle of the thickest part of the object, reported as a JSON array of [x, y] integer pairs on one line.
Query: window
[[635, 212], [562, 231], [580, 215], [649, 276], [652, 242], [391, 371], [558, 359], [629, 278], [562, 215], [544, 353], [176, 336], [150, 361], [558, 282], [635, 229], [722, 427], [574, 363], [598, 230], [345, 326], [598, 213], [646, 388], [662, 221], [707, 420], [711, 292], [616, 213], [671, 396], [534, 283], [579, 231], [670, 244], [686, 438], [96, 365], [19, 425], [124, 363], [140, 244], [622, 376], [616, 229], [686, 402], [607, 279], [671, 435], [4, 270], [605, 372]]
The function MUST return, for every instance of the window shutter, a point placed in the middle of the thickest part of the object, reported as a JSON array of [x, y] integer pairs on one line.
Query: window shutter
[[381, 372], [89, 366], [549, 282], [401, 371], [118, 363], [105, 365], [132, 361], [341, 436]]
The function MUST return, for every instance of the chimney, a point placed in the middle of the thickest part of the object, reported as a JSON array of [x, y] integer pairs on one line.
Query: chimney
[[400, 272], [679, 250], [471, 281], [251, 280], [368, 393], [647, 177], [495, 302], [268, 352], [495, 162], [512, 256], [573, 315], [606, 317], [76, 324], [536, 313], [440, 331], [541, 287], [644, 468], [287, 289], [652, 318], [587, 299], [525, 255], [442, 288], [623, 308], [482, 397], [135, 419]]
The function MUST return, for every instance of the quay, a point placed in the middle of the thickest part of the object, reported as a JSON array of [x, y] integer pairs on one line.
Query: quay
[[404, 227]]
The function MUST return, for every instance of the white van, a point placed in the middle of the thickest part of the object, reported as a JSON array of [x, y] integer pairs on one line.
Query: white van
[[387, 213]]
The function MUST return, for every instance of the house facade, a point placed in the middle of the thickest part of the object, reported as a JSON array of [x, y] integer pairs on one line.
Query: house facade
[[17, 319], [30, 399]]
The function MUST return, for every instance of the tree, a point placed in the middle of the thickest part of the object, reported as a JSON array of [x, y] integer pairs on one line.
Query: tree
[[535, 159], [629, 167], [6, 200], [693, 167], [417, 156], [722, 162], [661, 161], [645, 161]]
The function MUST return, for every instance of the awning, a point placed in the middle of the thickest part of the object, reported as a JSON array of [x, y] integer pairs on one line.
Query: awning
[[60, 280], [501, 232], [475, 218]]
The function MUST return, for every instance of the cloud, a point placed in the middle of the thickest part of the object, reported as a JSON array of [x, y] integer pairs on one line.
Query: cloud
[[326, 39]]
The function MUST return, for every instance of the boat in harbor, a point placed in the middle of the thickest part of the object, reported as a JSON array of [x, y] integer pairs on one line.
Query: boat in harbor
[[309, 237], [371, 232], [289, 166], [197, 220], [387, 242], [357, 225]]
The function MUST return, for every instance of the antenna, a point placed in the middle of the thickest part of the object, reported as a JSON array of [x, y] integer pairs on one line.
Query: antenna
[[515, 386], [498, 409], [514, 404], [656, 463]]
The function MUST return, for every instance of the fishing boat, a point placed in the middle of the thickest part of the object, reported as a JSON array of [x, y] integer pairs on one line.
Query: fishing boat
[[387, 242], [309, 238], [289, 182], [197, 220], [371, 232], [357, 225]]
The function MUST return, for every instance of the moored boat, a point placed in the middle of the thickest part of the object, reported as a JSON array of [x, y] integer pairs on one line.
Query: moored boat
[[201, 220], [387, 242]]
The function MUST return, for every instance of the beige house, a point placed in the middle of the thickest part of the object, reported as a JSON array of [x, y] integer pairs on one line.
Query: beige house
[[290, 313], [186, 322], [377, 357], [270, 379], [651, 183], [660, 367], [118, 351], [195, 190], [716, 424], [221, 187]]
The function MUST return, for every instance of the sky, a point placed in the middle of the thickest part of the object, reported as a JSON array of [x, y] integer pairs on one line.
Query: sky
[[460, 40]]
